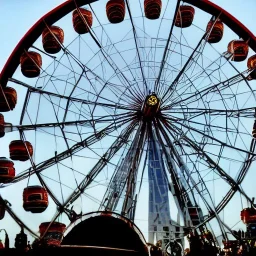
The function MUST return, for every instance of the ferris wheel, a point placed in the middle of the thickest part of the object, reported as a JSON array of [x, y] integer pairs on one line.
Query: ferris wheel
[[142, 110]]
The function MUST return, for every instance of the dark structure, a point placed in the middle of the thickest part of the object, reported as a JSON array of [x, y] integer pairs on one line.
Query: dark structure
[[106, 231], [98, 235]]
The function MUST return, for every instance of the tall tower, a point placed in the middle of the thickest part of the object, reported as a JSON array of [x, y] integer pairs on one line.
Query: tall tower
[[160, 227]]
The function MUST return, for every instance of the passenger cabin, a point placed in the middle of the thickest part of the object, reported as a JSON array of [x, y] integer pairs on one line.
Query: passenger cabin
[[35, 199], [20, 150], [248, 215], [82, 20], [215, 29], [52, 233], [238, 49], [8, 99], [2, 132], [251, 64], [31, 63], [115, 10], [7, 170], [53, 38], [185, 16], [152, 9]]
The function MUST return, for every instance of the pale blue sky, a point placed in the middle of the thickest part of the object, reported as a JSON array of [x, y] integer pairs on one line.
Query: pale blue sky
[[18, 16]]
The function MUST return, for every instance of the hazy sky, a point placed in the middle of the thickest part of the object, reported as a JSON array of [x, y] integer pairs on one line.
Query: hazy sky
[[18, 16]]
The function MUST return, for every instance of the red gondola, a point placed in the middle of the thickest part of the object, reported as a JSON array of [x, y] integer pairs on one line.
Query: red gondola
[[251, 64], [115, 11], [184, 16], [7, 170], [2, 132], [82, 20], [151, 106], [20, 150], [239, 50], [35, 199], [52, 39], [31, 63], [248, 215], [216, 29], [152, 9], [54, 234], [8, 101]]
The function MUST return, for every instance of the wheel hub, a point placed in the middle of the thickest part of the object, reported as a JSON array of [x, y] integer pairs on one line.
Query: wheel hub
[[151, 106]]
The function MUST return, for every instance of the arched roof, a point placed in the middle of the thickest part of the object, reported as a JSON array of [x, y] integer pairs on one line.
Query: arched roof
[[105, 231]]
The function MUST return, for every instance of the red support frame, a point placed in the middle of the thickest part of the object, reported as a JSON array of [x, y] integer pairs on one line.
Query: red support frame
[[53, 16]]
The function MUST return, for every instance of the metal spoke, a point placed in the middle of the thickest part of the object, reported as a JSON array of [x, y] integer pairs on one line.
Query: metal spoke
[[73, 150], [166, 48], [37, 90], [119, 142]]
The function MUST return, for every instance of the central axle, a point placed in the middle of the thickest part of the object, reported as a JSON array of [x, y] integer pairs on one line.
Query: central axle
[[150, 106]]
